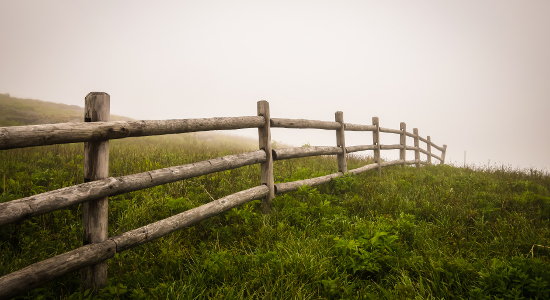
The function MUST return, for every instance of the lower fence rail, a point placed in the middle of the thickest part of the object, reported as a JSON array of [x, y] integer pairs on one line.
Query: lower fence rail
[[47, 270]]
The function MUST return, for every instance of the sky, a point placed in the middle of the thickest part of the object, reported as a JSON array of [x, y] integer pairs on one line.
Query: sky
[[472, 74]]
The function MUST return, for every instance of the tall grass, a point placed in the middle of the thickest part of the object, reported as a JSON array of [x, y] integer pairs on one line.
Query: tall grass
[[439, 232]]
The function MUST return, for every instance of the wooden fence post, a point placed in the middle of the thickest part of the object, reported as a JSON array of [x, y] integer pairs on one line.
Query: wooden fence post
[[264, 134], [95, 213], [341, 142], [417, 145], [403, 137], [376, 142], [443, 154], [429, 148]]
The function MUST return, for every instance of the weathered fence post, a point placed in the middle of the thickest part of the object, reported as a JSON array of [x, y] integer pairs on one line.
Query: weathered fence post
[[264, 134], [376, 142], [443, 154], [341, 142], [403, 137], [429, 148], [417, 145], [95, 213]]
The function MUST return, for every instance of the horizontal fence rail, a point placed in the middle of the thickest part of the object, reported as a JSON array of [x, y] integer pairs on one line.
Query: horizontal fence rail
[[303, 123], [42, 272], [397, 131], [355, 127], [96, 253], [360, 148], [286, 153], [63, 133], [17, 210]]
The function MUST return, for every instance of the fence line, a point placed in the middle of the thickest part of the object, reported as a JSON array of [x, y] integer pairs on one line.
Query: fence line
[[96, 136]]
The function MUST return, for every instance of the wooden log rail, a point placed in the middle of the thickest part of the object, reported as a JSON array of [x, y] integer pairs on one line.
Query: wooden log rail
[[91, 256], [63, 133], [17, 210], [42, 272]]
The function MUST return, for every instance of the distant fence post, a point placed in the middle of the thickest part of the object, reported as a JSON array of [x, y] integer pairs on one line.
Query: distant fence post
[[376, 142], [403, 137], [95, 213], [443, 154], [341, 142], [264, 134], [429, 148], [417, 145]]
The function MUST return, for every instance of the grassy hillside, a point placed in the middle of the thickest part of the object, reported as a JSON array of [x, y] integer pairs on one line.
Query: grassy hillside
[[435, 233], [18, 111]]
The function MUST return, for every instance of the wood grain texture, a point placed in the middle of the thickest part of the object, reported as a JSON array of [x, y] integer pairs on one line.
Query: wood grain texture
[[47, 270], [403, 142], [429, 148], [62, 133], [303, 123], [417, 146], [410, 134], [364, 169], [350, 149], [287, 153], [42, 272], [295, 185], [95, 213], [392, 163], [390, 147], [376, 142], [388, 130], [341, 143], [264, 134], [17, 210], [358, 127], [443, 151]]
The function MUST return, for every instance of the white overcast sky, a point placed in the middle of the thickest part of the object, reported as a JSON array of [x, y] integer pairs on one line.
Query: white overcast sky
[[472, 74]]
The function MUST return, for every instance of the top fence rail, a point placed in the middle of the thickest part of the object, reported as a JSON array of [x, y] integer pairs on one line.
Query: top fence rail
[[63, 133], [77, 132]]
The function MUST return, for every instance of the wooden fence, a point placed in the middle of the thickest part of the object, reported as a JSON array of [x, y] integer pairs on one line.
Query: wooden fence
[[96, 132]]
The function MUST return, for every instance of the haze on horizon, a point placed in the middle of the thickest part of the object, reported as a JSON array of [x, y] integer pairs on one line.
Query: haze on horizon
[[471, 74]]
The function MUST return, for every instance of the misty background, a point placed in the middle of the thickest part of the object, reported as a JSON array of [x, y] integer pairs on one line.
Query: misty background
[[473, 75]]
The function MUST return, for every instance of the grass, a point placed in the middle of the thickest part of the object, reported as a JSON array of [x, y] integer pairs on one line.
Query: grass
[[439, 232], [18, 111]]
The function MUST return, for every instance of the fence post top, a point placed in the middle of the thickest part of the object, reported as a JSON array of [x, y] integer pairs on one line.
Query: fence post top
[[402, 125], [263, 107], [415, 130], [375, 120], [97, 94]]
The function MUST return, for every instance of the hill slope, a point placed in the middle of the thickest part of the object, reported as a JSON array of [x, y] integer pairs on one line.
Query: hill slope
[[18, 111]]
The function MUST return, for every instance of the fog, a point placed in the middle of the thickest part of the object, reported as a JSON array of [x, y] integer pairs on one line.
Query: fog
[[473, 75]]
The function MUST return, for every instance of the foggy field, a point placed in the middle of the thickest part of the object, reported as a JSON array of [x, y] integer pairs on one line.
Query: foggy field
[[438, 232]]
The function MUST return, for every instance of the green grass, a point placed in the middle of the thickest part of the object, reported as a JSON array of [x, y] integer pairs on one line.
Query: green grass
[[17, 112], [440, 232]]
